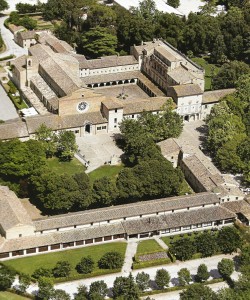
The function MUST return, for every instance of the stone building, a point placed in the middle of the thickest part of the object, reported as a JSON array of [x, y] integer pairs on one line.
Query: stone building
[[25, 39], [20, 236]]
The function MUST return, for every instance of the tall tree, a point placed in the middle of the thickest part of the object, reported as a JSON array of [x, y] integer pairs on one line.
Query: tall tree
[[184, 277], [3, 5], [104, 192], [66, 146], [197, 292], [162, 278]]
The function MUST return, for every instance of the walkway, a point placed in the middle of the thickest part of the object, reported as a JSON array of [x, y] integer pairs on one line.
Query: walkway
[[191, 265], [130, 253], [7, 108], [160, 242], [11, 47]]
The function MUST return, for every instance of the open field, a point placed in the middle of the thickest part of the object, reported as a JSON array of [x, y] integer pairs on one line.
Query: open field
[[109, 171], [209, 69], [11, 296], [28, 265], [65, 167], [148, 246]]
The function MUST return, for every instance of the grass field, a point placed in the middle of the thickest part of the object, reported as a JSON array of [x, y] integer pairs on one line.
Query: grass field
[[72, 167], [28, 265], [148, 246], [11, 296], [109, 171], [208, 69]]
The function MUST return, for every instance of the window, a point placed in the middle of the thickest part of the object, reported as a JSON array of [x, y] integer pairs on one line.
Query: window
[[116, 110], [104, 127], [20, 235], [133, 116], [99, 128], [115, 120], [115, 126], [76, 131]]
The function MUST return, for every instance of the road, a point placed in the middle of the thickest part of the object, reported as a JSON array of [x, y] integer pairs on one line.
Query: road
[[7, 108], [11, 47], [191, 265]]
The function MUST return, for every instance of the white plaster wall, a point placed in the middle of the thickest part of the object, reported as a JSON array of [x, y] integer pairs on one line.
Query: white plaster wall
[[189, 105], [116, 69], [111, 119], [23, 230]]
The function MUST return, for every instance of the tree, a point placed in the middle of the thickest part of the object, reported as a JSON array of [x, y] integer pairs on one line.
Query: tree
[[198, 292], [85, 266], [24, 282], [183, 248], [229, 73], [3, 5], [125, 288], [226, 267], [174, 3], [28, 23], [229, 239], [60, 295], [42, 272], [82, 293], [219, 49], [57, 193], [7, 278], [111, 260], [142, 280], [62, 269], [206, 244], [67, 146], [162, 278], [104, 192], [184, 276], [48, 138], [202, 273], [98, 42], [45, 288], [98, 288]]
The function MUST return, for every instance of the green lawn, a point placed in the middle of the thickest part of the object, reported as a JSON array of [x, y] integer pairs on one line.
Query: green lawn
[[207, 67], [28, 265], [168, 239], [11, 296], [69, 167], [107, 170], [148, 246]]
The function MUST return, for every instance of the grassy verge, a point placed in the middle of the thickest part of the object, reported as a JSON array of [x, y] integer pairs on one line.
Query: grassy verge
[[65, 167], [11, 296], [17, 101], [148, 246], [151, 263], [209, 69], [107, 170], [28, 265]]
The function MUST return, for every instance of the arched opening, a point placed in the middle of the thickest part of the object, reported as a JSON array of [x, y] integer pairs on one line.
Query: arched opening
[[186, 118], [87, 128], [108, 84]]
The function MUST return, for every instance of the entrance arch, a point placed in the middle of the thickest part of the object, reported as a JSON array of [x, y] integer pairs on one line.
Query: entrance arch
[[88, 128]]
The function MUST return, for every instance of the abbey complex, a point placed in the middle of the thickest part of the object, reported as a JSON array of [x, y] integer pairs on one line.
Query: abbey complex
[[92, 96]]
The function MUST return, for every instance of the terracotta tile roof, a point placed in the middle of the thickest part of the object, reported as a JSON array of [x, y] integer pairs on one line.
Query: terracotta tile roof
[[108, 61], [175, 220], [26, 35], [11, 130], [112, 103], [12, 213], [56, 122], [215, 96], [139, 105], [185, 90], [169, 146], [61, 237], [128, 210]]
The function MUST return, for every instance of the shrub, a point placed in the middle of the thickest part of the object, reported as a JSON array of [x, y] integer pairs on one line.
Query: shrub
[[42, 272], [85, 266], [111, 260], [162, 278], [62, 269]]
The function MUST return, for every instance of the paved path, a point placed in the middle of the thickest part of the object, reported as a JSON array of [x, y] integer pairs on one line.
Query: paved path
[[160, 242], [130, 253], [11, 47], [191, 265], [7, 108]]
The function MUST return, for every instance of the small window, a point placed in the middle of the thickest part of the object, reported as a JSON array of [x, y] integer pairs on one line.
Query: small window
[[115, 126], [124, 218], [76, 131], [20, 235], [108, 221], [104, 127], [172, 210], [133, 116], [99, 128], [91, 223], [115, 120], [116, 110]]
